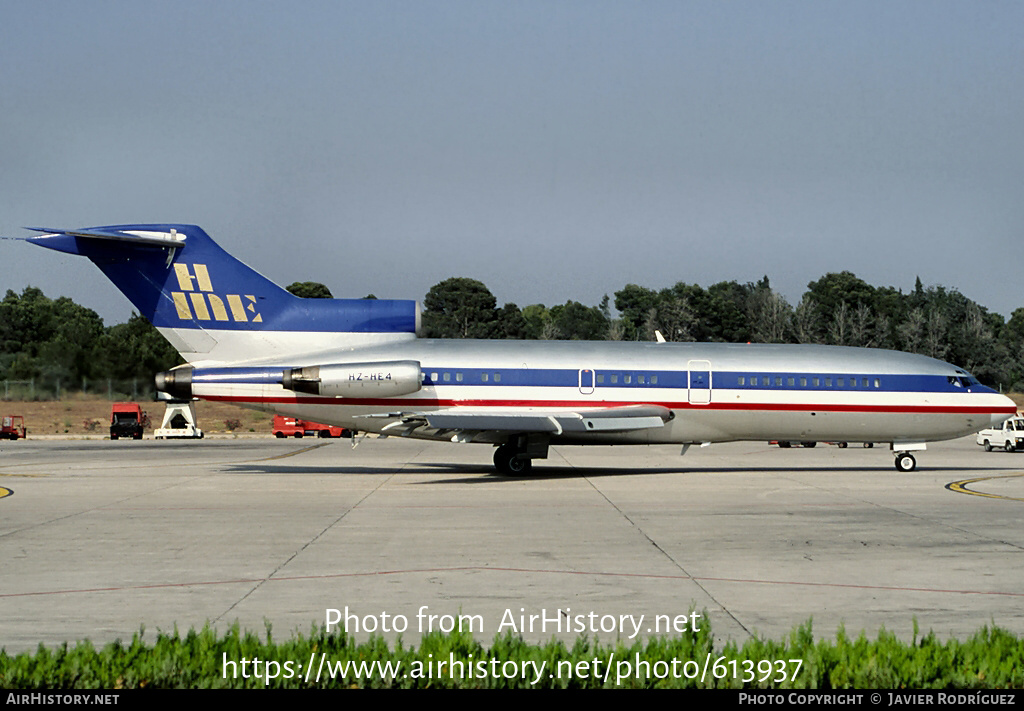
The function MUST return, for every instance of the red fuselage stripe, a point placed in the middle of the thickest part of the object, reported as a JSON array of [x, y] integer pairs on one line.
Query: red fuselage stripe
[[418, 403]]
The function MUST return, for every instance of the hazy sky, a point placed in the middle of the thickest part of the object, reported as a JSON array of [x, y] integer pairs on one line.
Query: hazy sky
[[553, 150]]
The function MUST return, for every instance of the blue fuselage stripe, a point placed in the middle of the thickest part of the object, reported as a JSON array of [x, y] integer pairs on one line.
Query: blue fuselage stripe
[[440, 376]]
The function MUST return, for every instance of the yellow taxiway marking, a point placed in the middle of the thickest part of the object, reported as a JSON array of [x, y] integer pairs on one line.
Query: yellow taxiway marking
[[960, 487], [5, 492]]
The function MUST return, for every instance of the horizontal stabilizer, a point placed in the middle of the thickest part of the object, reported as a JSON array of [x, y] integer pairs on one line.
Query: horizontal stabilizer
[[172, 239]]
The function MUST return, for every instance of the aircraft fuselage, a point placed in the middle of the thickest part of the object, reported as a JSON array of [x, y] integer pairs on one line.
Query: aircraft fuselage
[[716, 392]]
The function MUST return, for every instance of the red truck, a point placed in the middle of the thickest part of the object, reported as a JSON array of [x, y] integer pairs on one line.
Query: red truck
[[12, 427], [127, 420], [285, 426]]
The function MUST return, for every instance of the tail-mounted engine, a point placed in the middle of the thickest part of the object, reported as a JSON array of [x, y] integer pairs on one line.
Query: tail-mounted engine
[[380, 379]]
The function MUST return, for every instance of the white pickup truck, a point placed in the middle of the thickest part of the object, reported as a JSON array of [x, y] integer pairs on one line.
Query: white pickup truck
[[1009, 437]]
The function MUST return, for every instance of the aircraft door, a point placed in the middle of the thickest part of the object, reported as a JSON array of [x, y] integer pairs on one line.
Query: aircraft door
[[699, 392], [586, 381]]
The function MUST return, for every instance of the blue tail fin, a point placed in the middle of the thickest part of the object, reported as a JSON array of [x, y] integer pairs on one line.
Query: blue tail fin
[[213, 307]]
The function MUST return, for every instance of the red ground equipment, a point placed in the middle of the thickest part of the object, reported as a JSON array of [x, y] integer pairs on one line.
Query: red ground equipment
[[126, 420], [285, 426], [12, 427]]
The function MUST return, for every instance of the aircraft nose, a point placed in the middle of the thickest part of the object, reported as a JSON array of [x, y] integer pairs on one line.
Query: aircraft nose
[[1006, 409]]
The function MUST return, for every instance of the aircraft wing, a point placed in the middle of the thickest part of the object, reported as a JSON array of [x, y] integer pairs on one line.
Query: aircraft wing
[[555, 422]]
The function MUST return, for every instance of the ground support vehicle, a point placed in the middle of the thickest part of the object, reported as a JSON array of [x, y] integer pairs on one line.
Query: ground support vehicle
[[12, 427], [179, 420], [1009, 436], [126, 420], [285, 426]]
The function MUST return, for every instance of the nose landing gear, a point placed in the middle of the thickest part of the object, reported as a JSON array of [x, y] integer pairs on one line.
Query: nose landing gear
[[905, 462]]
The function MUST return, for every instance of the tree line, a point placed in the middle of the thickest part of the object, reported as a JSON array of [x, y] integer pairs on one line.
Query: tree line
[[837, 309], [57, 339]]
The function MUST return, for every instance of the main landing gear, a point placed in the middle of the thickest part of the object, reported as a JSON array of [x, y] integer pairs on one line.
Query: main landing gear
[[510, 461], [515, 457]]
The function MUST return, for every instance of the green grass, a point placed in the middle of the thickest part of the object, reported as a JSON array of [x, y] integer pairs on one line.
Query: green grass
[[991, 658]]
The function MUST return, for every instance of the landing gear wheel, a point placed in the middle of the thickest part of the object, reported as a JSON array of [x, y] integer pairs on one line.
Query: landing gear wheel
[[508, 462], [905, 462]]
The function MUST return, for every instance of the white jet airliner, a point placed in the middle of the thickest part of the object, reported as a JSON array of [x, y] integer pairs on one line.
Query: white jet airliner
[[357, 363]]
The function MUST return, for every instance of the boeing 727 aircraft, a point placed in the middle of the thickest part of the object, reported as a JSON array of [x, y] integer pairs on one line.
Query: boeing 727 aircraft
[[357, 363]]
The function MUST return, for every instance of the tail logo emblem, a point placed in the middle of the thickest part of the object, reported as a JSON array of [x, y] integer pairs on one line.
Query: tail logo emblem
[[203, 305]]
